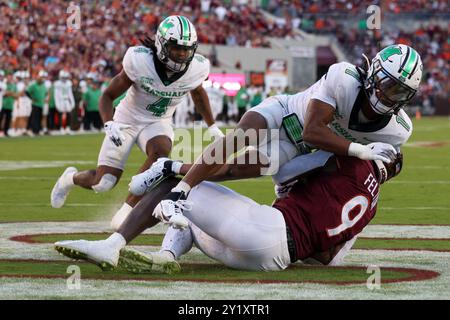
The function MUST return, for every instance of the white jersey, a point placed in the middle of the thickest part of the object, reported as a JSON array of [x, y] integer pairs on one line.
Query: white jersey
[[64, 100], [2, 92], [340, 88], [153, 97], [22, 105]]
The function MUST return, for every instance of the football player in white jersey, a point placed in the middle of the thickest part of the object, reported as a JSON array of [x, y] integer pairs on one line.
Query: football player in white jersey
[[349, 111], [64, 100], [156, 77]]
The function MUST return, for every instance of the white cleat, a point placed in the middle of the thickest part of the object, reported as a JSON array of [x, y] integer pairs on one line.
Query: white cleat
[[138, 262], [62, 188], [171, 212], [97, 252], [147, 180]]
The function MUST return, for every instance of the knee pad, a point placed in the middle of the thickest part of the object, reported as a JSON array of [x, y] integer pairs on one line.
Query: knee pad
[[106, 183]]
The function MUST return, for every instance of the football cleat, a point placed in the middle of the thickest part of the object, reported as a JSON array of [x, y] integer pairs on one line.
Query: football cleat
[[171, 212], [96, 252], [150, 178], [137, 262], [62, 188]]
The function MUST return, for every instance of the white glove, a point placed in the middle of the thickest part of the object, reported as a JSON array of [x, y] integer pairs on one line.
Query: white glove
[[373, 151], [215, 132], [282, 191], [113, 131]]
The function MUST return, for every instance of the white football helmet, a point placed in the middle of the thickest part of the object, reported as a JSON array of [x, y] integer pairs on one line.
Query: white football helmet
[[393, 78], [63, 74], [175, 34]]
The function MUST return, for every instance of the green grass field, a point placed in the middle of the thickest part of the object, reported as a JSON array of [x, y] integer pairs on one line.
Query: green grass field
[[414, 205]]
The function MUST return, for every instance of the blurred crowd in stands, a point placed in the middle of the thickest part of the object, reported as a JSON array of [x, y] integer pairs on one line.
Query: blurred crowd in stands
[[35, 37], [431, 40]]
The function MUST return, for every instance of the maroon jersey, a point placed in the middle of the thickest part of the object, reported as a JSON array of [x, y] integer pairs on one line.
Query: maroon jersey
[[331, 208]]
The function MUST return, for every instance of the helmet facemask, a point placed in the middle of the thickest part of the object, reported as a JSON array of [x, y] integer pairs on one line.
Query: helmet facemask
[[386, 94], [176, 43], [176, 57]]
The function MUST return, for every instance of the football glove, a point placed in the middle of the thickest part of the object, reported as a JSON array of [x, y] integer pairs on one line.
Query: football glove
[[113, 131], [373, 151], [215, 132]]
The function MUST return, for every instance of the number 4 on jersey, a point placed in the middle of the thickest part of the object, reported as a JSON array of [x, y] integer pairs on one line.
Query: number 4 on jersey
[[159, 107]]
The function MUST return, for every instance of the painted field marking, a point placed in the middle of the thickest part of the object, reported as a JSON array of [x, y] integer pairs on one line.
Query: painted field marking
[[6, 165], [233, 276]]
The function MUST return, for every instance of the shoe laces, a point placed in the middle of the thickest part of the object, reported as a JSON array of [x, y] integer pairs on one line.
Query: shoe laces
[[181, 205]]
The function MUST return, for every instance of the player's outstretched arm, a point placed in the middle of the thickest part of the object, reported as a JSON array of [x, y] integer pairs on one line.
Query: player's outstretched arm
[[240, 168], [317, 133]]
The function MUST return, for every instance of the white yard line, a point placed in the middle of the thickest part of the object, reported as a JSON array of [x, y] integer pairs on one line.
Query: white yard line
[[437, 288], [6, 165]]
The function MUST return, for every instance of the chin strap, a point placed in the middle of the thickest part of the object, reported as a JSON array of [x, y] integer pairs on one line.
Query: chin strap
[[367, 61]]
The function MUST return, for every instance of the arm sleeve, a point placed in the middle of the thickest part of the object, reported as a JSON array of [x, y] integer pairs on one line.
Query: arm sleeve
[[129, 64], [328, 85], [300, 165]]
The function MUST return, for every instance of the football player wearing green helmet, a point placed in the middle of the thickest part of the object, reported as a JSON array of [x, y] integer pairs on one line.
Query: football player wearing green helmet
[[350, 111], [393, 78], [157, 76]]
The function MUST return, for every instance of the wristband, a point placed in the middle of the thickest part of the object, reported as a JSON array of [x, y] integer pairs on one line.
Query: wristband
[[176, 166], [355, 149]]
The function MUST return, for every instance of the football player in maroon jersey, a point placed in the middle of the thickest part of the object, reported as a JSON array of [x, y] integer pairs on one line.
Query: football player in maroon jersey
[[317, 221]]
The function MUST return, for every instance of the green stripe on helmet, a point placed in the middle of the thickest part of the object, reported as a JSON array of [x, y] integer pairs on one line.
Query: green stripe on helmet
[[186, 33], [410, 63]]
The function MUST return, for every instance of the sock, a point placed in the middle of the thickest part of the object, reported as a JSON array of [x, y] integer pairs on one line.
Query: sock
[[120, 216], [177, 241], [116, 240], [176, 166], [69, 181], [182, 187]]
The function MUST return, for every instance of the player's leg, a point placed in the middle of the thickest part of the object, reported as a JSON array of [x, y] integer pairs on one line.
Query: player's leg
[[111, 162], [156, 141], [105, 253], [253, 236], [237, 231]]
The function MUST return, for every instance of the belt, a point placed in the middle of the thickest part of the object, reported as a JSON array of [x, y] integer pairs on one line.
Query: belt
[[291, 245]]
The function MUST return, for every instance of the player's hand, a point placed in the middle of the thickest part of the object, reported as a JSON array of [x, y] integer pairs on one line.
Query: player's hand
[[373, 151], [282, 191], [145, 181], [215, 131], [170, 210], [114, 131]]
